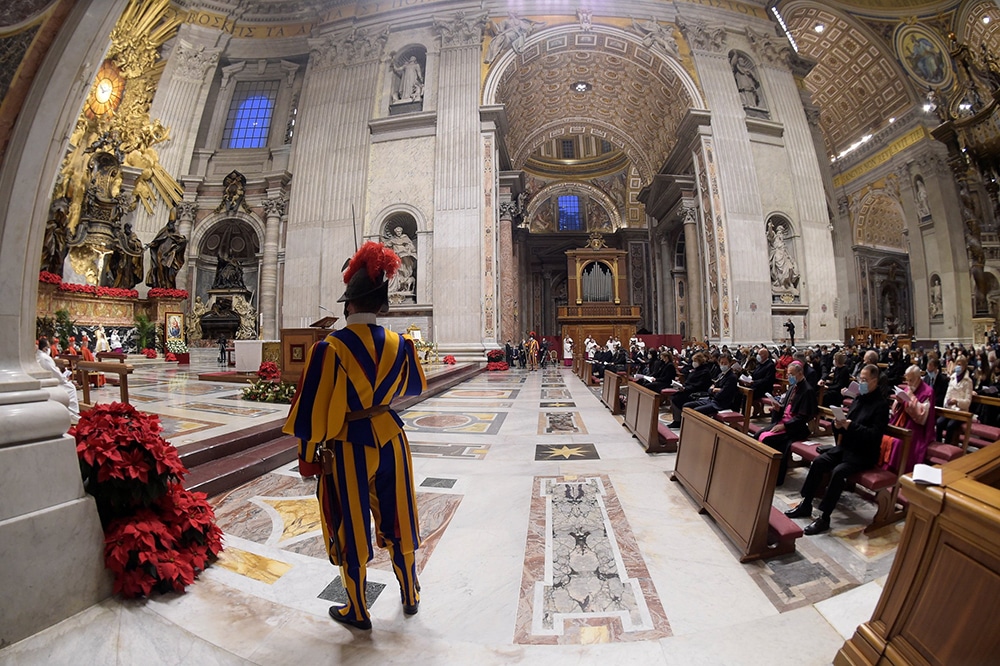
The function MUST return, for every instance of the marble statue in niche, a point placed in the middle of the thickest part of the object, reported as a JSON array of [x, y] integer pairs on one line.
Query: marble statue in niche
[[920, 194], [784, 272], [936, 299], [747, 82], [193, 324], [402, 287], [409, 81]]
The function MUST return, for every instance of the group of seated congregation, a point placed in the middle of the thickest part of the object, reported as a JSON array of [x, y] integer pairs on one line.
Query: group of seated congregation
[[930, 394]]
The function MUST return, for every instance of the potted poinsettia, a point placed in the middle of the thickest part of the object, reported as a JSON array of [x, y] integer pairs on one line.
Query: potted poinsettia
[[158, 536]]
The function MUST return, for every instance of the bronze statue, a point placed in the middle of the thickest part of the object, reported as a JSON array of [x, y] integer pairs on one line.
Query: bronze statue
[[166, 257], [125, 269], [54, 247]]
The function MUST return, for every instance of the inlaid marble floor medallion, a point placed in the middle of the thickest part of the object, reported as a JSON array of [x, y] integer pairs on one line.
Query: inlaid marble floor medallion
[[556, 394], [476, 423], [566, 452], [445, 450], [560, 423], [229, 410], [556, 403], [480, 393], [584, 579], [174, 426]]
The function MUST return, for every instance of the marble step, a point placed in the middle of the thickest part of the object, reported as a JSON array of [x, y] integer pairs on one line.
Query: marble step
[[230, 471]]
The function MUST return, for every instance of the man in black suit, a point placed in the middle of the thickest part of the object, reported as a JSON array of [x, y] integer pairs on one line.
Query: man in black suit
[[724, 390], [662, 374], [696, 381], [790, 327], [790, 419], [859, 442], [937, 379], [763, 375]]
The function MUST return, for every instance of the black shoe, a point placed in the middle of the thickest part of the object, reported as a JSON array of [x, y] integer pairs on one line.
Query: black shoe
[[335, 613], [411, 610], [674, 424], [818, 526], [803, 510]]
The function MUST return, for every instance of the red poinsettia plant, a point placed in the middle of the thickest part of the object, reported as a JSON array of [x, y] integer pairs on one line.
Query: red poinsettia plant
[[74, 288], [496, 366], [158, 535], [162, 292], [170, 356], [269, 371], [117, 292], [49, 278], [449, 359], [149, 352]]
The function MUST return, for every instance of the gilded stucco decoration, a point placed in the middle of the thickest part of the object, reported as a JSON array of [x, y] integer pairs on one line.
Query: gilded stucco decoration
[[857, 83], [635, 101], [126, 130]]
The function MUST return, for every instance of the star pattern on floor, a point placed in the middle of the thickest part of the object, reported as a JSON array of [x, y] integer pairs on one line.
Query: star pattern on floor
[[566, 452]]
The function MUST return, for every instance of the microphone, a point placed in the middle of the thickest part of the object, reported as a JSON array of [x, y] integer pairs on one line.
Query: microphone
[[327, 310]]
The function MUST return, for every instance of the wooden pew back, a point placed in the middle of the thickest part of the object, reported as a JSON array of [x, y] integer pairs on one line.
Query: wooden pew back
[[123, 370], [730, 475], [642, 411], [611, 391]]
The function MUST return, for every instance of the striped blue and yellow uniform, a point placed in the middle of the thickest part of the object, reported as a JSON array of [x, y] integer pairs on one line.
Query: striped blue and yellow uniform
[[367, 468]]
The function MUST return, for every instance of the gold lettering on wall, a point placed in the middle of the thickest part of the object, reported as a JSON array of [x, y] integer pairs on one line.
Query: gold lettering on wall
[[912, 137]]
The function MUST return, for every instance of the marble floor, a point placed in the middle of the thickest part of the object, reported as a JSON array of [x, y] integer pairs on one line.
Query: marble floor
[[550, 536]]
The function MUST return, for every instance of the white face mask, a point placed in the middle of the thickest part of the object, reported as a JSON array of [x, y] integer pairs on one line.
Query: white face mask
[[695, 364], [724, 368], [760, 358]]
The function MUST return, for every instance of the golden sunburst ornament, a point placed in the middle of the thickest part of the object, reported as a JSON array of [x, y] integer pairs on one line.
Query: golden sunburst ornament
[[106, 94]]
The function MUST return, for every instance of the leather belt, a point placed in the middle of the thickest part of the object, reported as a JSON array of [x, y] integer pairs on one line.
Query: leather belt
[[359, 414]]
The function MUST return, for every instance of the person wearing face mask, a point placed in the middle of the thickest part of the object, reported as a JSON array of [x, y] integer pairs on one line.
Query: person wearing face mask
[[838, 379], [913, 411], [697, 381], [790, 420], [859, 442], [724, 390], [958, 396]]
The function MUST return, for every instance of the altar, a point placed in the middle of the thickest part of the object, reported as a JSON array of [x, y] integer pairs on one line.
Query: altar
[[251, 353]]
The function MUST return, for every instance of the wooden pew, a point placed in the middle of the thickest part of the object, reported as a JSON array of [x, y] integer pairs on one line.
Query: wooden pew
[[732, 476], [611, 391], [642, 418], [882, 484], [983, 434], [588, 373], [123, 370]]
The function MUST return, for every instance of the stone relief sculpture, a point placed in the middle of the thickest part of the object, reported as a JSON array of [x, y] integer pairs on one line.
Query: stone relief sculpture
[[402, 285], [745, 73], [409, 82], [784, 272], [655, 34], [234, 194], [166, 257], [512, 33], [126, 267]]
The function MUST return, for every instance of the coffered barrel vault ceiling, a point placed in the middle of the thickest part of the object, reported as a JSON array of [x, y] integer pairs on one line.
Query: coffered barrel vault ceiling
[[636, 100]]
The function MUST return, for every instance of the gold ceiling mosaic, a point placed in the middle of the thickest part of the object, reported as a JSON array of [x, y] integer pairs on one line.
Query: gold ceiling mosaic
[[636, 100]]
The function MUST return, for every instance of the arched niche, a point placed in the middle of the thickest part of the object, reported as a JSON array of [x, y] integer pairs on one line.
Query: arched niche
[[783, 264], [398, 230], [748, 84], [598, 212], [228, 256]]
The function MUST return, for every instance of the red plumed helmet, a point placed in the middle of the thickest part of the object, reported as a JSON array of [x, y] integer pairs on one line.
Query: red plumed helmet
[[369, 271]]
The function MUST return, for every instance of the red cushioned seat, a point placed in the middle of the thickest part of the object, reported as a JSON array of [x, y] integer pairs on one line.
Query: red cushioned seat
[[667, 392], [729, 417], [939, 453], [806, 449], [782, 532], [754, 429], [983, 435], [874, 479]]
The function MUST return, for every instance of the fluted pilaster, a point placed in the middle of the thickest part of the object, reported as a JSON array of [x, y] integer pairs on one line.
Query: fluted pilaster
[[185, 211], [274, 209]]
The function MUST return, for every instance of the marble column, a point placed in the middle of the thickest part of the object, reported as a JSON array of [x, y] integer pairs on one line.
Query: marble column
[[51, 542], [507, 269], [268, 303], [458, 190], [179, 104], [186, 211], [696, 292]]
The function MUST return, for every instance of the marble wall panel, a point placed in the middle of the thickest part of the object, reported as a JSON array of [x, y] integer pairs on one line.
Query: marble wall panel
[[401, 172]]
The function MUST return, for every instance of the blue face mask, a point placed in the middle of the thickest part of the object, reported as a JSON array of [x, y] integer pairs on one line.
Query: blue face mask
[[792, 380], [863, 388]]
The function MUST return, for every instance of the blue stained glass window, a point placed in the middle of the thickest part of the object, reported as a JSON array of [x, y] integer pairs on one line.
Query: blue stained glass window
[[570, 217], [249, 118]]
